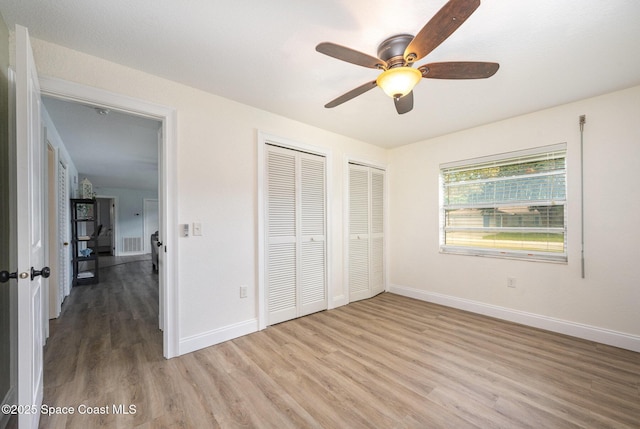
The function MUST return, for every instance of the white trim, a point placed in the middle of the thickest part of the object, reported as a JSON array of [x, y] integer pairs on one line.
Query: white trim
[[344, 298], [13, 241], [114, 225], [168, 184], [146, 232], [566, 327], [262, 140], [217, 336], [261, 304]]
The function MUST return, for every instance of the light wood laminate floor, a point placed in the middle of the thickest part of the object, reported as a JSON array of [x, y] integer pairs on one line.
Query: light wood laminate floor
[[387, 362]]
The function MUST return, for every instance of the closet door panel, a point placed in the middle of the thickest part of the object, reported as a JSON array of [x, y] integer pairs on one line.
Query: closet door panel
[[377, 232], [358, 232], [358, 269], [281, 190], [358, 201], [377, 201], [296, 234], [377, 266], [366, 232], [313, 277], [313, 267], [312, 195], [281, 236], [282, 279]]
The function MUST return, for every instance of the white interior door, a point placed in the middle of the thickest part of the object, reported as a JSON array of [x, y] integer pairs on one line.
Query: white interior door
[[30, 230]]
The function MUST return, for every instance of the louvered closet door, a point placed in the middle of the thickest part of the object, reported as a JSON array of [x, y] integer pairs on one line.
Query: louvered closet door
[[377, 232], [366, 232], [296, 240], [281, 236], [358, 232], [64, 288], [313, 296]]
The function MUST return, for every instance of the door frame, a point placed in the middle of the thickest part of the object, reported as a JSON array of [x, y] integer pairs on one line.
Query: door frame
[[146, 233], [11, 396], [167, 189], [348, 159], [51, 303], [113, 200], [262, 140]]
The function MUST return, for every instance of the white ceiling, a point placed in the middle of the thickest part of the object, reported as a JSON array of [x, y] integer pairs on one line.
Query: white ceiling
[[262, 53], [115, 150]]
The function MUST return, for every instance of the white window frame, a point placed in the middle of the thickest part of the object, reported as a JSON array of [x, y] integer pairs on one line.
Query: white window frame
[[508, 158]]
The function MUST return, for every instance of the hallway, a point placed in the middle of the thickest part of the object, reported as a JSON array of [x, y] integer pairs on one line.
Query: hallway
[[96, 347]]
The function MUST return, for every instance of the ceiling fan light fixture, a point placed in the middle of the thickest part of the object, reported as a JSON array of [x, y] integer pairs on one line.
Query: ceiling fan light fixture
[[399, 81]]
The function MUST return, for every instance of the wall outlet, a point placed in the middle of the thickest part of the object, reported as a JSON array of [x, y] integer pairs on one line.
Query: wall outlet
[[243, 291], [511, 282]]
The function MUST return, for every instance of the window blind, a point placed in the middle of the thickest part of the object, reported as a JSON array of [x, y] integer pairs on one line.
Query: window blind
[[510, 206]]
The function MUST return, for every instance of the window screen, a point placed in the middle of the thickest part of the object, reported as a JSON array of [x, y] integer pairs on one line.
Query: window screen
[[511, 205]]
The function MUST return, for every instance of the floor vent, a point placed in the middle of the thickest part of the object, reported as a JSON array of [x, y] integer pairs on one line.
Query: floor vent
[[132, 244]]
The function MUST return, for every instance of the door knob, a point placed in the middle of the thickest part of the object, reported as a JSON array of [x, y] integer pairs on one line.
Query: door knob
[[45, 272], [6, 275], [159, 244]]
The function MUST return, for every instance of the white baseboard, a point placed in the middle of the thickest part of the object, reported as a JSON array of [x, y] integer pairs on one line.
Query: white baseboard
[[217, 336], [130, 253], [338, 301], [579, 330]]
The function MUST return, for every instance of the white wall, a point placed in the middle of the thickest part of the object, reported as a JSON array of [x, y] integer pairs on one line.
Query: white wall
[[61, 152], [130, 212], [62, 155], [217, 186], [547, 294]]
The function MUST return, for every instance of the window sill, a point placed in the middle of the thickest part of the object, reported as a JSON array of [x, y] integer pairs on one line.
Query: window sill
[[501, 254]]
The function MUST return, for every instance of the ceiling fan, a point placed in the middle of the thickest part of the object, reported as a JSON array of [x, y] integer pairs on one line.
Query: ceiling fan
[[397, 54]]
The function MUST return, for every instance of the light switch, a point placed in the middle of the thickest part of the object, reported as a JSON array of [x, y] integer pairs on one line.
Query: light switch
[[197, 228], [184, 230]]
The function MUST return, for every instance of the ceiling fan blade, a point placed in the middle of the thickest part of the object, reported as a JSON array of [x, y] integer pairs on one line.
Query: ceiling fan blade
[[441, 26], [351, 94], [350, 55], [404, 104], [459, 70]]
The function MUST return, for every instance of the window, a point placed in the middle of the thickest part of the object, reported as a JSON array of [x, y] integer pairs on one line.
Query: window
[[510, 205]]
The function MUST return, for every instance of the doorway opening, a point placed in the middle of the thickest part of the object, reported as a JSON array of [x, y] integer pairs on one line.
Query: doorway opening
[[160, 160], [107, 225]]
